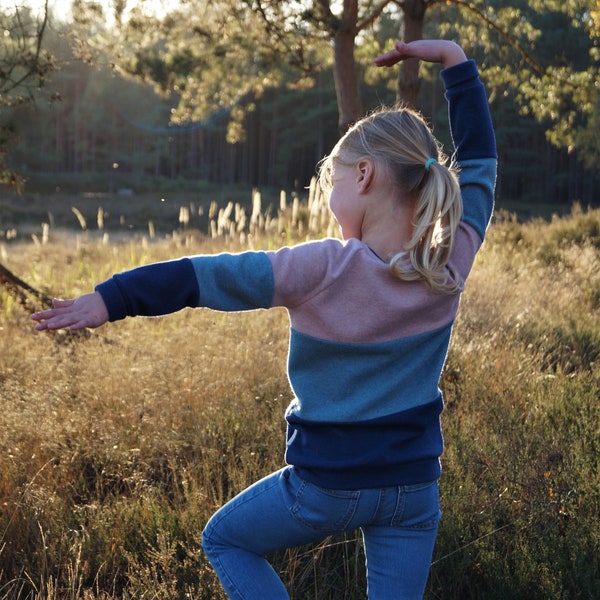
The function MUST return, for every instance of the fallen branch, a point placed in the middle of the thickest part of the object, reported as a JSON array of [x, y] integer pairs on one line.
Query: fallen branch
[[21, 290]]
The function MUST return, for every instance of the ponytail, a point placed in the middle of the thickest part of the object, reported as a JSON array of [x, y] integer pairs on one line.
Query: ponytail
[[438, 210]]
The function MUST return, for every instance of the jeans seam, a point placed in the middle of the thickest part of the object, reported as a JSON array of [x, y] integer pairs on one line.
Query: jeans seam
[[232, 585], [380, 503]]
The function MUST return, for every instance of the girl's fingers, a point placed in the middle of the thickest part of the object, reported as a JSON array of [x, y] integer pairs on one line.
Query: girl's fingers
[[55, 318], [401, 51], [54, 322], [49, 313], [388, 59], [59, 303]]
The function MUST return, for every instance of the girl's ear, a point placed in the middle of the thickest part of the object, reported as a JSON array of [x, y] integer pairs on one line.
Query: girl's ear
[[366, 175]]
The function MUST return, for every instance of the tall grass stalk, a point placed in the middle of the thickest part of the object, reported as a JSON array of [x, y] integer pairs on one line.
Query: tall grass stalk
[[117, 446]]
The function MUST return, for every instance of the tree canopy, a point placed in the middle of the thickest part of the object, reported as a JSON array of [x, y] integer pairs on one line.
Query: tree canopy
[[227, 52], [215, 63]]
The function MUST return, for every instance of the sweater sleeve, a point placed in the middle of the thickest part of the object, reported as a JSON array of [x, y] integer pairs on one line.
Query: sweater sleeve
[[227, 282], [474, 142]]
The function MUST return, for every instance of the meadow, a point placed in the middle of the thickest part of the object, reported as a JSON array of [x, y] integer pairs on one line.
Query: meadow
[[116, 445]]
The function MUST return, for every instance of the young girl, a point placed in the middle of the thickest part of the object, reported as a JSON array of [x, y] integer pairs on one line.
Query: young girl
[[371, 318]]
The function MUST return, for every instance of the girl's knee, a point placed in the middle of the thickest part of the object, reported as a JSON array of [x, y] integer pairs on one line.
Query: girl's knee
[[217, 535], [209, 537]]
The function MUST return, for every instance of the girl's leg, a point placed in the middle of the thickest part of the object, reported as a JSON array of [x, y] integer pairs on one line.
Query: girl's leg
[[399, 549], [238, 536], [276, 512], [282, 511]]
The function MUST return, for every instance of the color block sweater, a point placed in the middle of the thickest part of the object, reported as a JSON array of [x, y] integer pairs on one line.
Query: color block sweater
[[366, 350]]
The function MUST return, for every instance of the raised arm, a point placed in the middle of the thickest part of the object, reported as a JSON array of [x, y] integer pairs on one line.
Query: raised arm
[[470, 122]]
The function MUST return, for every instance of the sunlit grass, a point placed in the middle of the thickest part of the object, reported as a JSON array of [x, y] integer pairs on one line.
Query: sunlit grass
[[117, 446]]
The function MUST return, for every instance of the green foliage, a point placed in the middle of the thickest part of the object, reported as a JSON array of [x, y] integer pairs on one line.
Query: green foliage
[[550, 50], [215, 55]]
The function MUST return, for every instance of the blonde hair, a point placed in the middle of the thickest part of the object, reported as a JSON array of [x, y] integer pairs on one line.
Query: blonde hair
[[402, 142]]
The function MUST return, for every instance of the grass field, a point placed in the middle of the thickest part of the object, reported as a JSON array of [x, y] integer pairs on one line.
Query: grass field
[[117, 445]]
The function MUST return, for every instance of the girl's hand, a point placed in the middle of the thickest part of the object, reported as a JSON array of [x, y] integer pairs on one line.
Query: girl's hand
[[442, 51], [88, 310]]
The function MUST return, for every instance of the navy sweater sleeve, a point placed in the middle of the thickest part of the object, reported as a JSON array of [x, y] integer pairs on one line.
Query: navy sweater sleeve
[[474, 142], [151, 290], [227, 282], [470, 119]]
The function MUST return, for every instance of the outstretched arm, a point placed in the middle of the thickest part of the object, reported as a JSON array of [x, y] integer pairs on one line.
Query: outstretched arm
[[88, 310], [226, 282], [440, 51]]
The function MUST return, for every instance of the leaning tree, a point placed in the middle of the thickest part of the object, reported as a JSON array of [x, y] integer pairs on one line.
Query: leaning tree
[[24, 65]]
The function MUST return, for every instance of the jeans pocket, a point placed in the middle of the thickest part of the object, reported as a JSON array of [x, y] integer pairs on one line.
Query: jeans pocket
[[418, 506], [322, 509]]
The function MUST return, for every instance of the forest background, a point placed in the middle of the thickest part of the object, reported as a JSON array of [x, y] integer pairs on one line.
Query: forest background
[[148, 97]]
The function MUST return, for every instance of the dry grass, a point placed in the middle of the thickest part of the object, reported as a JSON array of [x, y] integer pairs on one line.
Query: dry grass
[[116, 447]]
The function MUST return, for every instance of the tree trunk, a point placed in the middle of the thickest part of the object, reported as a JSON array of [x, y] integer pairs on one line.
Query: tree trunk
[[344, 69], [408, 77]]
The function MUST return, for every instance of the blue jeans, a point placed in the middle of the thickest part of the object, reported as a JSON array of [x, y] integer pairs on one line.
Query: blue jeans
[[399, 526]]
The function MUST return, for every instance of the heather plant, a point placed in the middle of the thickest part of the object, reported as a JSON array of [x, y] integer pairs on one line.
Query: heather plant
[[117, 445]]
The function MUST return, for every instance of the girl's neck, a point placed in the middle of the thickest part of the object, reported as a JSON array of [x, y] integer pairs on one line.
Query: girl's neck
[[387, 225]]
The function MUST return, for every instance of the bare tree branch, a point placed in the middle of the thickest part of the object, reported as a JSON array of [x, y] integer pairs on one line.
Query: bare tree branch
[[24, 64]]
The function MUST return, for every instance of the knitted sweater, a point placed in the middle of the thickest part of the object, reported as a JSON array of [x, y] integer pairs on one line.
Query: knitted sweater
[[366, 350]]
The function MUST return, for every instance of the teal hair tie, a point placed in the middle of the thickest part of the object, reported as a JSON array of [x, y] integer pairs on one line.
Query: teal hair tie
[[429, 162]]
